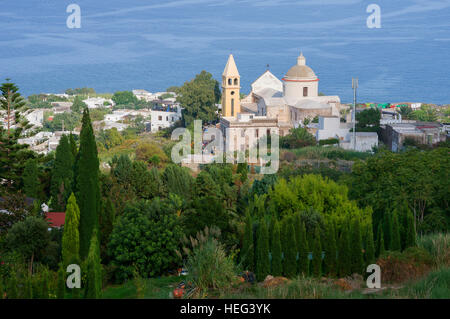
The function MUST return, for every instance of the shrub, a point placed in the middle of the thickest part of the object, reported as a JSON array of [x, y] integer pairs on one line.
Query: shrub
[[435, 286], [397, 267], [438, 245], [329, 141], [262, 252], [208, 265]]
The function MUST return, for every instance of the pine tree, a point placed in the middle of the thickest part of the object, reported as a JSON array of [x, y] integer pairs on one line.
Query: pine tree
[[290, 254], [30, 178], [277, 268], [317, 254], [61, 284], [71, 238], [356, 248], [410, 240], [387, 230], [370, 246], [93, 288], [344, 258], [107, 217], [262, 257], [62, 174], [380, 242], [248, 248], [87, 184], [303, 252], [330, 250], [396, 244]]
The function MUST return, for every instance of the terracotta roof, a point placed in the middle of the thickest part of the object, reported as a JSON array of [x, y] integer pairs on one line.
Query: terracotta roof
[[56, 219]]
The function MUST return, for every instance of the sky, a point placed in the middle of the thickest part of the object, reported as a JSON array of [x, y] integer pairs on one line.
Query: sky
[[148, 44]]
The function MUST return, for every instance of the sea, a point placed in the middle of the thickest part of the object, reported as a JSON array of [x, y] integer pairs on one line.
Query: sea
[[399, 50]]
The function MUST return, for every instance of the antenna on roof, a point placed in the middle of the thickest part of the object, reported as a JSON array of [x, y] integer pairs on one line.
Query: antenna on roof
[[268, 66]]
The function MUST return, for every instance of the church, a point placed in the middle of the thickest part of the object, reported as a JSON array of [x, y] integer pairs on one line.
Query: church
[[273, 105]]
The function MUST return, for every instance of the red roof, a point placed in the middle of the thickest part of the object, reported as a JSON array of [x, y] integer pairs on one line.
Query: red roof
[[56, 219]]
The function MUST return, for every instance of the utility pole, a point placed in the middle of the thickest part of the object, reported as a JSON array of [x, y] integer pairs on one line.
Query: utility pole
[[354, 87]]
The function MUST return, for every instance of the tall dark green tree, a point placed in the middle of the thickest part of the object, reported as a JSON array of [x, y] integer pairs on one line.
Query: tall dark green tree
[[87, 185], [290, 254], [317, 254], [248, 247], [277, 268], [31, 179], [61, 283], [387, 230], [107, 217], [410, 232], [303, 252], [12, 154], [93, 288], [381, 247], [344, 257], [262, 249], [356, 248], [62, 174], [330, 250], [78, 105], [370, 246], [73, 145], [396, 244]]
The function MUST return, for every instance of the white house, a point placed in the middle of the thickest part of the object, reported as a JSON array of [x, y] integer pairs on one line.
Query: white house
[[98, 102], [163, 119], [331, 127]]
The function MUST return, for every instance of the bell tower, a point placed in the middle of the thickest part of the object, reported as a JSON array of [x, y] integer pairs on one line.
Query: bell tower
[[231, 104]]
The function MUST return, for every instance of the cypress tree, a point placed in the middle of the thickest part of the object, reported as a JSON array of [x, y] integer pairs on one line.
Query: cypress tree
[[31, 179], [290, 254], [396, 244], [87, 184], [62, 174], [71, 239], [277, 268], [61, 285], [248, 249], [356, 248], [107, 217], [380, 242], [297, 225], [330, 250], [370, 246], [317, 254], [303, 252], [93, 288], [262, 256], [344, 259], [73, 145], [387, 230], [410, 240]]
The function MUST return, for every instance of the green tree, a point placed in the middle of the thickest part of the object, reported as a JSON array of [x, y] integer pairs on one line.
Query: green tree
[[277, 268], [344, 257], [198, 98], [290, 250], [317, 254], [11, 290], [248, 247], [387, 230], [62, 174], [124, 98], [330, 250], [71, 236], [93, 289], [406, 112], [29, 238], [368, 120], [396, 244], [44, 285], [78, 105], [303, 252], [410, 237], [381, 247], [107, 218], [356, 248], [61, 283], [262, 252], [28, 288], [30, 177], [370, 246], [145, 238], [73, 145], [87, 187], [298, 137]]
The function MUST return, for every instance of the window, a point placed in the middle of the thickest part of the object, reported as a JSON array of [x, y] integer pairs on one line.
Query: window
[[235, 81], [232, 107], [257, 133], [167, 118], [305, 91], [232, 92], [159, 118], [230, 81]]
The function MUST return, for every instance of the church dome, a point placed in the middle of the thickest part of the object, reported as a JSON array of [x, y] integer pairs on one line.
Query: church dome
[[300, 70]]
